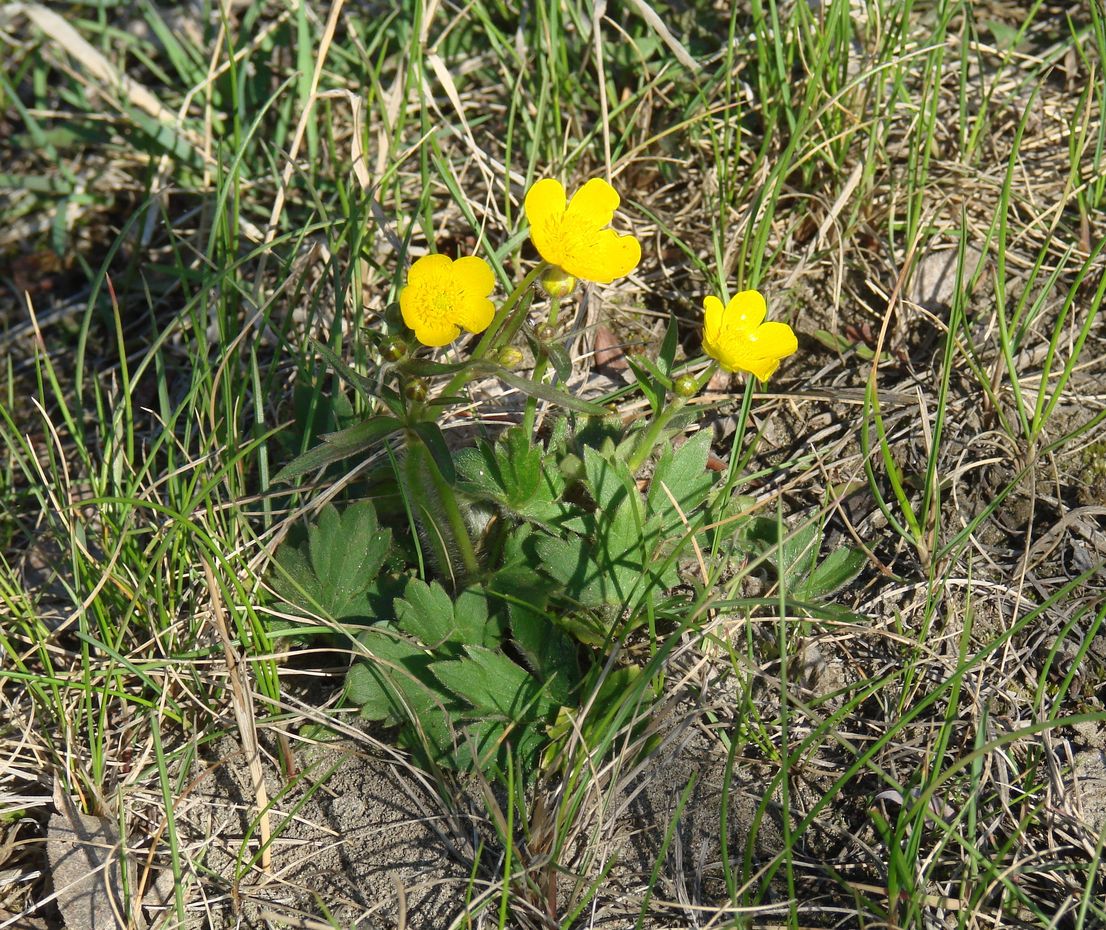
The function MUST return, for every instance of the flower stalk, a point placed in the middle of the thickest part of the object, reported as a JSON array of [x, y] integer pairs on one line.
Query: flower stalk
[[654, 432], [501, 321], [437, 505], [540, 365]]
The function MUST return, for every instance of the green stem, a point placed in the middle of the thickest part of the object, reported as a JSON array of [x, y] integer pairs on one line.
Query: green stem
[[539, 372], [653, 433], [456, 521], [488, 340], [440, 503], [655, 430]]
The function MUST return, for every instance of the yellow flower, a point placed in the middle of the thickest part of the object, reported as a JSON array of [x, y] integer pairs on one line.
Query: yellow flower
[[737, 336], [574, 234], [443, 295]]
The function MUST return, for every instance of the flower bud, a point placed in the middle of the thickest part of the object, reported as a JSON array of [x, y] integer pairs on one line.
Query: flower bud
[[558, 283], [509, 357], [686, 386], [572, 467], [394, 349], [416, 390]]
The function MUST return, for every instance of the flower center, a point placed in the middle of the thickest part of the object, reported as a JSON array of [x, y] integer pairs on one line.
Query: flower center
[[438, 299], [572, 237]]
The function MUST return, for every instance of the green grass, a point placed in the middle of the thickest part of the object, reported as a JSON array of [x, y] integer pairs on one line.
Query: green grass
[[892, 753]]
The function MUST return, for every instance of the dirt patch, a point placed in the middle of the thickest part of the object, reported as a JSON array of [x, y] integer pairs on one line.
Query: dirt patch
[[355, 835]]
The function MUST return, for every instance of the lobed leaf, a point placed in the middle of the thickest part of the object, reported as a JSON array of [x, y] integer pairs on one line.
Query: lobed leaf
[[333, 570]]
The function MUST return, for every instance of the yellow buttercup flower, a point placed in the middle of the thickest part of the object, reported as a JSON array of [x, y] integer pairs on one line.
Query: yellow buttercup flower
[[737, 336], [443, 295], [575, 235]]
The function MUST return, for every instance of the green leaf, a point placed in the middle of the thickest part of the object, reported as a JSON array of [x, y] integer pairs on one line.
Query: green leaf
[[646, 383], [434, 441], [364, 386], [610, 572], [421, 480], [839, 568], [615, 560], [395, 683], [560, 361], [493, 685], [684, 473], [190, 71], [794, 555], [484, 744], [841, 345], [478, 472], [331, 573], [622, 543], [398, 687], [545, 392], [341, 445], [445, 626], [622, 684], [795, 559], [319, 412], [425, 612], [667, 356], [1004, 34], [523, 463], [610, 483], [653, 381], [518, 467], [569, 561], [426, 368], [548, 650], [515, 474]]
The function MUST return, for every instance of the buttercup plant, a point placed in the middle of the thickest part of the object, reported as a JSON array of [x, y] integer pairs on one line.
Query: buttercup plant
[[539, 517], [516, 563]]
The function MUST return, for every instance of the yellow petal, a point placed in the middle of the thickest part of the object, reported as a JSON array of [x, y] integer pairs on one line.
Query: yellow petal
[[473, 281], [593, 204], [777, 339], [409, 306], [545, 210], [740, 355], [545, 200], [473, 276], [758, 352], [427, 267], [431, 329], [744, 313], [601, 256], [712, 318], [473, 313], [763, 367], [436, 333]]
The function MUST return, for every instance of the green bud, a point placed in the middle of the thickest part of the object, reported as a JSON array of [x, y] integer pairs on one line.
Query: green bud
[[558, 283], [416, 390], [686, 386], [509, 357], [394, 349], [572, 467]]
